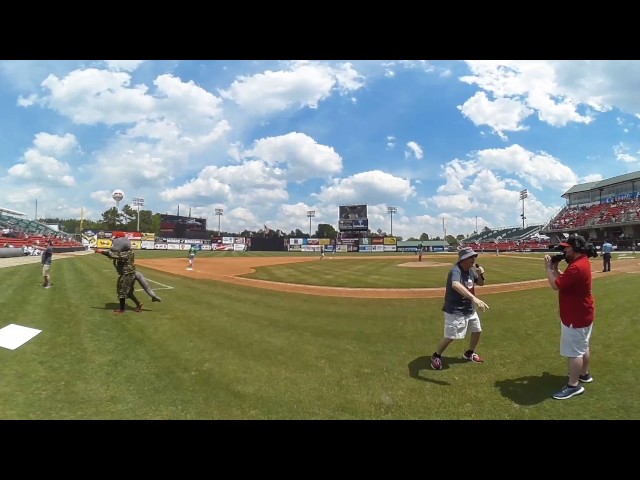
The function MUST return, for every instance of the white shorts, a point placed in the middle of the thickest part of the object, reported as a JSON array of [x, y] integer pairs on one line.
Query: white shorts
[[574, 342], [455, 326]]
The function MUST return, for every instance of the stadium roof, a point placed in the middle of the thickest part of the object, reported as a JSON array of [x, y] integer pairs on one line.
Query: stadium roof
[[585, 187], [12, 212]]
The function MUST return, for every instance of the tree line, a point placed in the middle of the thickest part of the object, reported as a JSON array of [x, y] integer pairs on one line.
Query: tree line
[[127, 220]]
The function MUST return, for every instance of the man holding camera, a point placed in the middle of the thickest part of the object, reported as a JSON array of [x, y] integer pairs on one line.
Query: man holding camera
[[577, 310]]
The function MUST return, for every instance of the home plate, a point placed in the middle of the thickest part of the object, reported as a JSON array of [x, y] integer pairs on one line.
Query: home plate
[[12, 336]]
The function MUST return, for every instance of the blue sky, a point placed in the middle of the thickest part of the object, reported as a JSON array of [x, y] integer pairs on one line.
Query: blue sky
[[267, 141]]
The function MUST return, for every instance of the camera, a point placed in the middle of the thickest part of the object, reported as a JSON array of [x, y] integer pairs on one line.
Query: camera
[[558, 258]]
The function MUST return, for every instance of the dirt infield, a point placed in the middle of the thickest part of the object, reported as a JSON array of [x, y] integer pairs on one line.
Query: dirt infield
[[228, 270]]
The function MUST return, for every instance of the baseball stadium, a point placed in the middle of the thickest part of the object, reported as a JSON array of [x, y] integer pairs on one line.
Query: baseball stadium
[[275, 330]]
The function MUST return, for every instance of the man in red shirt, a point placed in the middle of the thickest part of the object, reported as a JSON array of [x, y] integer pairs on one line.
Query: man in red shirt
[[577, 311]]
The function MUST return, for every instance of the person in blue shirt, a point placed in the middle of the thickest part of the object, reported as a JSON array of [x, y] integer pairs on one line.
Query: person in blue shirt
[[607, 248]]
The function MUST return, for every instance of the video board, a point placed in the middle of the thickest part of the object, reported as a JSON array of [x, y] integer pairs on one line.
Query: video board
[[353, 217], [177, 226], [353, 212]]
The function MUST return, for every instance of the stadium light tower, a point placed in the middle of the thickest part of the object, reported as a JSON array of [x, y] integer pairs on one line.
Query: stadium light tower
[[391, 211], [219, 212], [310, 214], [523, 194], [138, 202]]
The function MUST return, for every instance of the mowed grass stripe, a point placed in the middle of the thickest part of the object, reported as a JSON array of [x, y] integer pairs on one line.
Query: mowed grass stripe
[[389, 273]]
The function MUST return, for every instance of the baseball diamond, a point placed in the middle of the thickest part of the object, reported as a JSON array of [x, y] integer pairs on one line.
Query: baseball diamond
[[229, 270]]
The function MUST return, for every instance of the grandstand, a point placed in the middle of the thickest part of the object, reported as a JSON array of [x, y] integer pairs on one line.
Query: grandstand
[[17, 230], [509, 239], [607, 209]]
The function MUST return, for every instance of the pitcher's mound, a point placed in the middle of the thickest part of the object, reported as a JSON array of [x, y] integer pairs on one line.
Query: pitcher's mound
[[424, 264]]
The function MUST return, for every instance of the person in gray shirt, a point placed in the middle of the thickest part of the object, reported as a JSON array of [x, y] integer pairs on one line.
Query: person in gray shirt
[[47, 256], [459, 307]]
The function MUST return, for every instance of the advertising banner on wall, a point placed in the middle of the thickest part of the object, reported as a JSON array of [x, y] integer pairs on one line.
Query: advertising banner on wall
[[353, 225]]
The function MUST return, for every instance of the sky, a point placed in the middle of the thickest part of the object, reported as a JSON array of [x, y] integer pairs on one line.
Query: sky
[[449, 144]]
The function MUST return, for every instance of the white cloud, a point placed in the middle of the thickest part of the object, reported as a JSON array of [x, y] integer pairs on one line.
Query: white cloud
[[622, 153], [555, 90], [366, 187], [303, 85], [413, 150], [502, 114], [391, 142], [126, 65], [299, 156], [41, 164]]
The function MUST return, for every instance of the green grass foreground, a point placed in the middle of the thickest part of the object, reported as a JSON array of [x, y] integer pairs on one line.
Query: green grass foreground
[[212, 350]]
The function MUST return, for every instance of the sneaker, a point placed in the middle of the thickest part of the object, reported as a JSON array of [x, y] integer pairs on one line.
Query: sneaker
[[474, 357], [49, 286], [118, 311], [139, 307], [586, 378], [568, 392], [156, 299], [436, 363]]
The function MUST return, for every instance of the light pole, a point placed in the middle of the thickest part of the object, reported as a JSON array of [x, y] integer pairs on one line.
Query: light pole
[[139, 202], [523, 194], [219, 212], [310, 214], [391, 211]]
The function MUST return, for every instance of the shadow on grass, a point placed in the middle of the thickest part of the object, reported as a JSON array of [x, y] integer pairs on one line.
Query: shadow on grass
[[531, 390], [115, 306], [424, 363]]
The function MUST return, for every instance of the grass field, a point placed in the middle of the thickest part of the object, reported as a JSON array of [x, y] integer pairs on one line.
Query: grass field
[[213, 350]]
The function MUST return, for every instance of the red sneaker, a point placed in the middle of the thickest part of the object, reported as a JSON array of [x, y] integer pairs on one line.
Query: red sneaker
[[118, 311], [436, 363], [474, 357], [139, 307]]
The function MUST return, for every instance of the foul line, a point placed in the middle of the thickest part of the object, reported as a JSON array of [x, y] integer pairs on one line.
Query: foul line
[[165, 287]]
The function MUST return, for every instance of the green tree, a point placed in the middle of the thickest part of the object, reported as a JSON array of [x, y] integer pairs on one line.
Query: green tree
[[111, 219], [155, 224], [460, 237], [451, 240], [128, 217], [424, 237], [146, 222], [325, 231]]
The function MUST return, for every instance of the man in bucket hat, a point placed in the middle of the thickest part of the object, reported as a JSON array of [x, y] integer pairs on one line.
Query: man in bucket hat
[[459, 307]]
